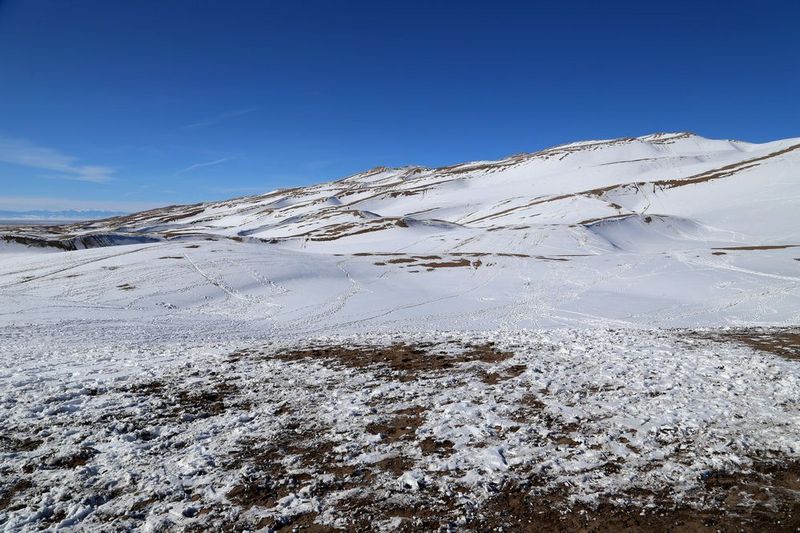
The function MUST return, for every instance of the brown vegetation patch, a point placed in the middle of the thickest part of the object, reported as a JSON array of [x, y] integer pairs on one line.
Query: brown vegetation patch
[[493, 378], [410, 362], [402, 426], [397, 464], [8, 492], [201, 401], [267, 480], [451, 264], [759, 247], [431, 446], [784, 342], [763, 500], [73, 459], [13, 445]]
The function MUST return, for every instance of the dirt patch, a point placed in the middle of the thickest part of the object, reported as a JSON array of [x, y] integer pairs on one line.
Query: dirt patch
[[401, 260], [450, 264], [73, 459], [430, 446], [397, 465], [529, 407], [303, 523], [402, 426], [198, 402], [8, 493], [410, 362], [718, 253], [783, 342], [267, 479], [762, 500], [759, 247], [493, 378], [486, 353], [25, 444]]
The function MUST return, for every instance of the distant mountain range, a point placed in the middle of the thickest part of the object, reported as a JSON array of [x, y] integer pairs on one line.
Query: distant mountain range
[[69, 214]]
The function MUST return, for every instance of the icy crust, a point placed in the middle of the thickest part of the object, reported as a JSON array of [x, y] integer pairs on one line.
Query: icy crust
[[256, 434]]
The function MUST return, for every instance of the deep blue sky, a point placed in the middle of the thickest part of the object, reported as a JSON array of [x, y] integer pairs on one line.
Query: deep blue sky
[[121, 105]]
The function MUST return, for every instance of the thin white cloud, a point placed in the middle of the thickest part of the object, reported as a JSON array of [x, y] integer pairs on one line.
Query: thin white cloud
[[201, 165], [221, 117], [27, 203], [26, 154]]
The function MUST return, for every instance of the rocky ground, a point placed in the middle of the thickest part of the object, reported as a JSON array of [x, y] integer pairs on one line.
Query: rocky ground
[[547, 430]]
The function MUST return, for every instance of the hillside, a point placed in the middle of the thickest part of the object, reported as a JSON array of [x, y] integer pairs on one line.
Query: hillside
[[602, 336], [665, 229]]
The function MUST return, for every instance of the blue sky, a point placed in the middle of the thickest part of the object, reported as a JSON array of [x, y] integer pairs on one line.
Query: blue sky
[[124, 105]]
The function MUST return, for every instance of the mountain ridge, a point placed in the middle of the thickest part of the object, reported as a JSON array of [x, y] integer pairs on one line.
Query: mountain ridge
[[570, 185]]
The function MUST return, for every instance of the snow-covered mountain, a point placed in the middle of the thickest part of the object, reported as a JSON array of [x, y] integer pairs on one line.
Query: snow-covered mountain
[[49, 215], [666, 227], [587, 197], [491, 342]]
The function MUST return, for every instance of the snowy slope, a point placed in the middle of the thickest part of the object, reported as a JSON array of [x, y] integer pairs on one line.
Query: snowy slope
[[449, 340], [665, 230]]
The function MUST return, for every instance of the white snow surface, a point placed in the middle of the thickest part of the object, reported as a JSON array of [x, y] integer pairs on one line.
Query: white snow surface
[[579, 260]]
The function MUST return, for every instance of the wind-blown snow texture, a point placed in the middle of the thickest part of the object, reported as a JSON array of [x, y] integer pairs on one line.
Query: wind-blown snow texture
[[570, 259]]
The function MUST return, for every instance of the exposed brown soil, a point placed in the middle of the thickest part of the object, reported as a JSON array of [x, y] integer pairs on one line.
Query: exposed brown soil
[[268, 479], [402, 426], [783, 342], [761, 247], [396, 464], [410, 362], [8, 492], [73, 459], [763, 500], [197, 402], [25, 444], [430, 446], [451, 264], [493, 378]]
